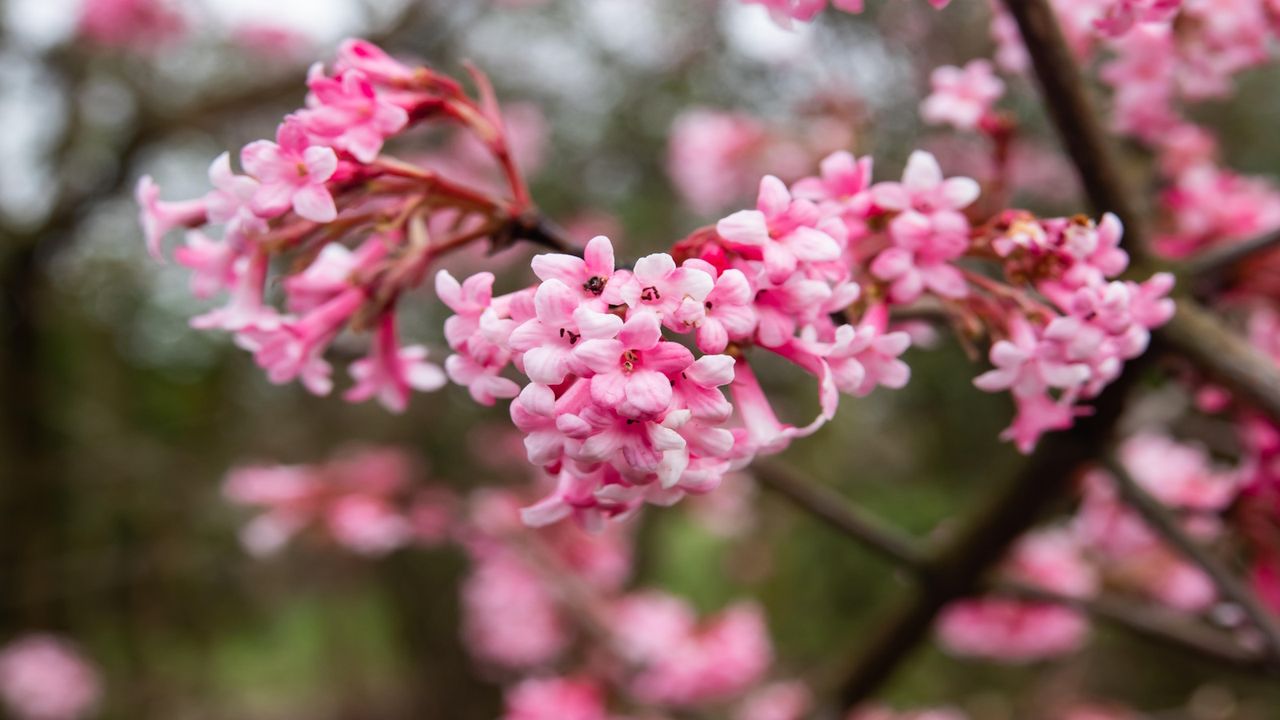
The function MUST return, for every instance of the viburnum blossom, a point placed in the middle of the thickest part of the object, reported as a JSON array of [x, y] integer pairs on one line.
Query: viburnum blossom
[[617, 408], [777, 701], [962, 97], [137, 25], [293, 173], [685, 665], [1121, 15], [555, 699], [43, 677], [325, 172], [784, 12], [1130, 554], [354, 499], [881, 712], [1020, 631], [1068, 348], [549, 607]]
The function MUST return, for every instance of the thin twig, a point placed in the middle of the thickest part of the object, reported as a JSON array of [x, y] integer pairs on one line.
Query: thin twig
[[1219, 259], [1199, 336], [1154, 623], [851, 521], [1167, 526]]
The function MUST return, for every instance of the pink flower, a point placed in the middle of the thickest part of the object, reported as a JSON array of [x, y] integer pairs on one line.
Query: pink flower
[[549, 339], [928, 232], [482, 379], [1122, 15], [777, 701], [295, 349], [212, 263], [638, 449], [1025, 365], [324, 279], [631, 372], [139, 25], [159, 217], [555, 699], [684, 665], [924, 190], [1037, 415], [784, 308], [782, 231], [535, 411], [367, 525], [588, 275], [842, 178], [347, 112], [509, 618], [784, 11], [657, 285], [365, 57], [962, 97], [1018, 631], [726, 315], [293, 173], [712, 157], [864, 357], [230, 203], [1178, 475], [390, 372], [697, 388], [1131, 553], [246, 310], [43, 677]]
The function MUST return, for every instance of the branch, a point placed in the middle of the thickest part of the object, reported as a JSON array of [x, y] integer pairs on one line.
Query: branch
[[846, 518], [1166, 525], [1198, 335], [1067, 99], [1151, 622], [1220, 259]]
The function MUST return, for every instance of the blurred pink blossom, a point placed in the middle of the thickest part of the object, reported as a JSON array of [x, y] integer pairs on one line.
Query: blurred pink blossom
[[43, 677]]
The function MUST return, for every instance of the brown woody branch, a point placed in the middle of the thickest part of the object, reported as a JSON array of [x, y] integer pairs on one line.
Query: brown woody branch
[[1228, 584], [1153, 623], [830, 507], [1216, 261]]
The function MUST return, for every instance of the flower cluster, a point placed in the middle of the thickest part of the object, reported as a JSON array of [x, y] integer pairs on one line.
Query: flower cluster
[[715, 158], [365, 224], [132, 24], [358, 500], [535, 601], [43, 677], [962, 97], [1019, 631], [785, 12], [624, 369], [1076, 343], [647, 647]]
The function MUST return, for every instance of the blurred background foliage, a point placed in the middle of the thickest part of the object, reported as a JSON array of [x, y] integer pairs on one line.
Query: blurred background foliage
[[119, 422]]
